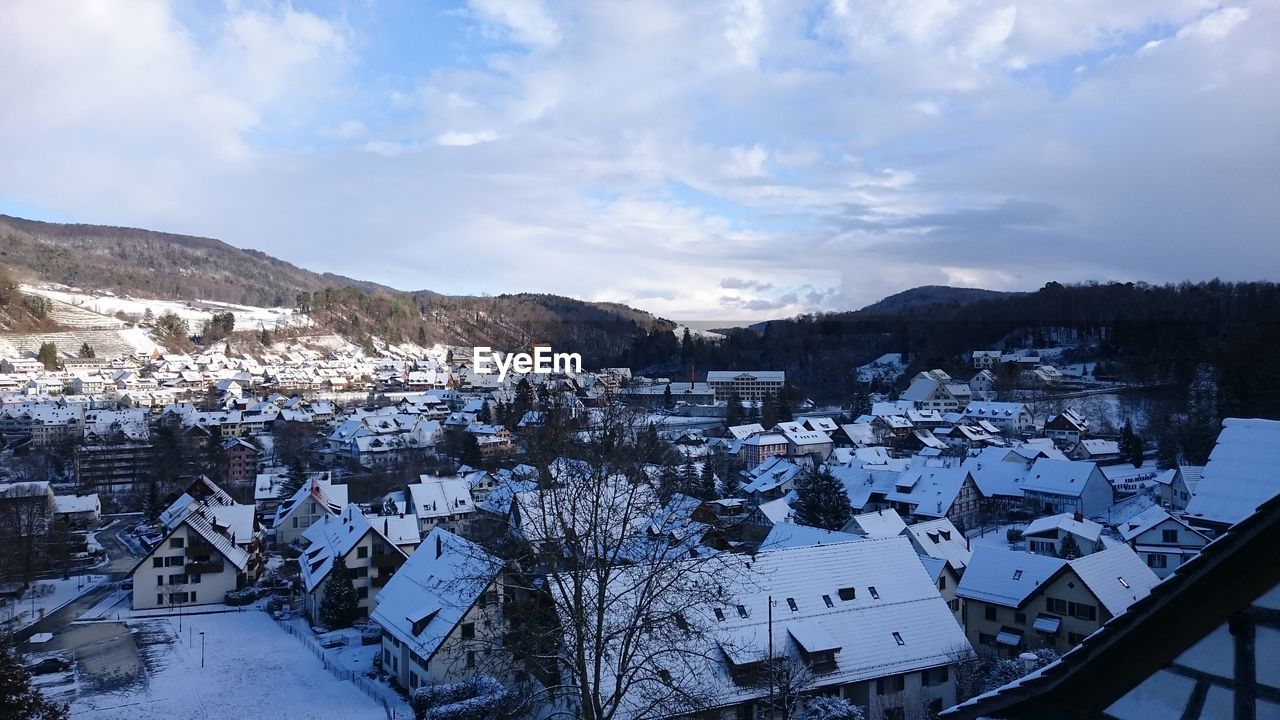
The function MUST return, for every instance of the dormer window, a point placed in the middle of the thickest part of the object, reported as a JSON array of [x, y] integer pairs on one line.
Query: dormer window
[[874, 594], [847, 593], [1017, 574], [827, 599], [791, 602]]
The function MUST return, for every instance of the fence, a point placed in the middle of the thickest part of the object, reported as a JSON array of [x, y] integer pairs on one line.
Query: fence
[[381, 694]]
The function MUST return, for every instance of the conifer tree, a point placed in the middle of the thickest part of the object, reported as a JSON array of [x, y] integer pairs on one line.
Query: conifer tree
[[733, 411], [293, 480], [1070, 548], [20, 701], [783, 408], [708, 489], [768, 412], [668, 402], [822, 501], [340, 605]]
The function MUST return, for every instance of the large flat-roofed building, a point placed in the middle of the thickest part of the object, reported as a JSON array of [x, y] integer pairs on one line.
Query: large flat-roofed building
[[748, 384]]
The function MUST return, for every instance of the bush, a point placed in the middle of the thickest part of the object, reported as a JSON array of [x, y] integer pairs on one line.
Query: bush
[[1013, 534], [240, 598], [823, 707], [276, 604], [480, 698]]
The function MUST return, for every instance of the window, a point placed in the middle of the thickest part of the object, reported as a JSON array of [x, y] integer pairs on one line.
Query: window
[[934, 676], [195, 579], [942, 582], [471, 658], [193, 597], [1123, 582], [175, 543], [954, 605], [791, 603], [891, 684], [985, 639], [742, 611], [1169, 536], [386, 658], [159, 598], [1017, 574], [362, 593], [295, 523], [468, 631], [990, 612], [1157, 561], [897, 637], [1083, 611], [413, 679], [1056, 606], [847, 593], [157, 562], [874, 595], [719, 614], [827, 599]]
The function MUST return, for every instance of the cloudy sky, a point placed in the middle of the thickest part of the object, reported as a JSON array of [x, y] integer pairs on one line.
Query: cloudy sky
[[704, 160]]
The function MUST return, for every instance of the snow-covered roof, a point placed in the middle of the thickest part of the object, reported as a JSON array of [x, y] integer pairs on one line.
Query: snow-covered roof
[[1005, 577], [880, 524], [433, 590], [1143, 522], [433, 497], [1084, 528], [1060, 477], [330, 497], [67, 504], [1241, 473], [1117, 576], [778, 511], [786, 535], [940, 539], [331, 537]]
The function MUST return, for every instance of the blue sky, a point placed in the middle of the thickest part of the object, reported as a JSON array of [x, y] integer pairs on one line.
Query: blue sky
[[720, 160]]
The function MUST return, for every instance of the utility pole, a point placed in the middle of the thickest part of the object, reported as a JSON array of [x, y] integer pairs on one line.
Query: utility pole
[[769, 664]]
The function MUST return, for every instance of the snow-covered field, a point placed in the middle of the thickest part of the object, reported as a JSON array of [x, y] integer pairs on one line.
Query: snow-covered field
[[252, 668], [194, 312]]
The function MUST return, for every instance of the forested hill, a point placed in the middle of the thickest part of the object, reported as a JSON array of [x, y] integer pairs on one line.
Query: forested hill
[[1143, 332], [149, 264]]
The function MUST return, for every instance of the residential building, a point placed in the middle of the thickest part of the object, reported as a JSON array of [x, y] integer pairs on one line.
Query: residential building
[[113, 468], [197, 562], [1008, 417], [758, 448], [1012, 601], [1065, 486], [1164, 542], [1239, 476], [317, 498], [441, 614], [1202, 644], [369, 554], [240, 460], [1048, 535], [1067, 427]]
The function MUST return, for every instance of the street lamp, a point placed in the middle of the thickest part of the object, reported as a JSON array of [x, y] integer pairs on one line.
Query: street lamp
[[201, 649]]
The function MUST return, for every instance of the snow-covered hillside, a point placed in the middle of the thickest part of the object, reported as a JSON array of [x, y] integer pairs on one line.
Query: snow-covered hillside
[[106, 305]]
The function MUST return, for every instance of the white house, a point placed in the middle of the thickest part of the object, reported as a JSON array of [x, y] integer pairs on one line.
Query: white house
[[1164, 542], [316, 498], [364, 547], [1046, 535]]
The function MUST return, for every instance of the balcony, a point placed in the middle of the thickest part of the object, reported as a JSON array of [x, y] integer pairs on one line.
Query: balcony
[[200, 548], [204, 568], [379, 580], [386, 561]]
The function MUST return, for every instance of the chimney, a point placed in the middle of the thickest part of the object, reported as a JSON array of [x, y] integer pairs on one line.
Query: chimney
[[1079, 517]]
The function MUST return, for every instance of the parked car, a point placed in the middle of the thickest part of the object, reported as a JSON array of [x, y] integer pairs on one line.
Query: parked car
[[49, 665]]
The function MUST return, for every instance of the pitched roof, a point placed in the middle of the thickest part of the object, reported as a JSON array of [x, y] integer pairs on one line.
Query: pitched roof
[[433, 590], [1241, 473], [1060, 477], [331, 537], [1005, 577], [1064, 521], [940, 539], [880, 524], [438, 497], [1117, 576]]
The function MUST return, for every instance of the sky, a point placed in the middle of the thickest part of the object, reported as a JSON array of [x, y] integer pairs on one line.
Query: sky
[[711, 160]]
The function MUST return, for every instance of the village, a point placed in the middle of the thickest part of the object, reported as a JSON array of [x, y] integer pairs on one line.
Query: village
[[405, 536]]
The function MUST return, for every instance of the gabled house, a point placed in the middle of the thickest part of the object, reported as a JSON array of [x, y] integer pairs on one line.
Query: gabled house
[[1067, 427], [441, 614], [1095, 450], [364, 545], [1012, 600], [941, 539], [1164, 542], [802, 440], [439, 502], [1065, 486], [317, 498], [199, 560], [1007, 417], [1048, 535]]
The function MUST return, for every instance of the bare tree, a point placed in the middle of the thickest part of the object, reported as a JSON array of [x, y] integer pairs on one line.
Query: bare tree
[[609, 616]]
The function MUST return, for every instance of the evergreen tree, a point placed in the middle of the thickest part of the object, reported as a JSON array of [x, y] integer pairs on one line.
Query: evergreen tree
[[733, 410], [20, 701], [340, 606], [1166, 451], [753, 412], [822, 501], [148, 317], [264, 337], [470, 454], [87, 351], [860, 405], [1136, 450], [783, 408], [152, 505], [293, 480], [668, 482], [484, 417], [708, 489], [1126, 438], [689, 480], [48, 356], [668, 402], [1070, 548], [768, 412]]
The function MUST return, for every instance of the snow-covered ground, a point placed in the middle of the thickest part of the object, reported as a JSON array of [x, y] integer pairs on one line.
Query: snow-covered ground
[[194, 312], [996, 536], [46, 596], [695, 332], [887, 368], [252, 668]]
